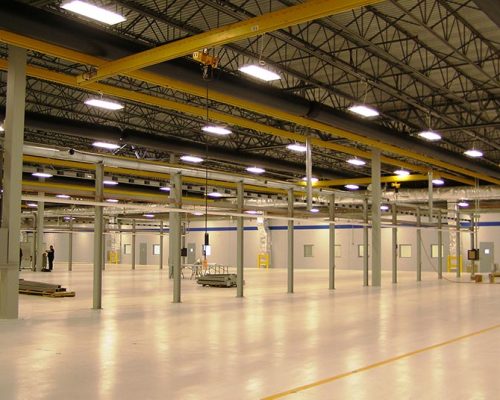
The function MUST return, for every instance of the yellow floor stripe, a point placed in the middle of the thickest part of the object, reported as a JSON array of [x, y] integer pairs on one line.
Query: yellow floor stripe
[[375, 365]]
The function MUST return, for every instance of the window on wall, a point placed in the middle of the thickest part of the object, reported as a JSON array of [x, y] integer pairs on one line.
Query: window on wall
[[156, 249], [308, 250], [361, 250], [405, 250], [435, 250], [127, 249], [338, 251]]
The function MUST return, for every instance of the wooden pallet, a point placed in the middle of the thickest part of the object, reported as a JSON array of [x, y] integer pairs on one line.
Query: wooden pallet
[[43, 289]]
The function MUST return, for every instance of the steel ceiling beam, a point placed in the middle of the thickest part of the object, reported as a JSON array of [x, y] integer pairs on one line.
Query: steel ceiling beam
[[367, 181], [304, 12]]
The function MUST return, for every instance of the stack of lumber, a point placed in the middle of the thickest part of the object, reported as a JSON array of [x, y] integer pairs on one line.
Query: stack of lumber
[[217, 280], [43, 289]]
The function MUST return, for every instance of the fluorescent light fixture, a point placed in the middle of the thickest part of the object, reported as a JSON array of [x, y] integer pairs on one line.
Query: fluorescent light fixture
[[214, 194], [356, 161], [260, 72], [350, 186], [438, 182], [430, 135], [112, 200], [197, 213], [93, 12], [297, 147], [42, 175], [32, 205], [104, 145], [110, 182], [313, 179], [473, 153], [402, 172], [253, 212], [106, 104], [165, 188], [217, 130], [314, 210], [2, 128], [384, 207], [463, 204], [192, 159], [256, 170], [69, 218], [40, 148], [364, 111], [148, 215], [62, 196]]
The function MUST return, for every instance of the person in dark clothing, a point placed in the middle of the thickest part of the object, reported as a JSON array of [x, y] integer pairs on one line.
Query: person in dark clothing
[[20, 258], [50, 257]]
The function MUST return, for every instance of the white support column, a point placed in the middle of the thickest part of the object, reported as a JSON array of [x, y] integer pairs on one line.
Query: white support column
[[12, 179], [290, 241], [133, 244], [394, 251], [440, 245], [365, 242], [376, 222], [419, 246], [331, 239], [40, 217], [472, 242], [175, 234], [309, 172], [161, 244], [98, 237], [239, 240], [70, 245], [430, 195], [459, 247]]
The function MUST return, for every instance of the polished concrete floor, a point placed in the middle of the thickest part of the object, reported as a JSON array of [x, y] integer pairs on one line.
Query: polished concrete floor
[[314, 344]]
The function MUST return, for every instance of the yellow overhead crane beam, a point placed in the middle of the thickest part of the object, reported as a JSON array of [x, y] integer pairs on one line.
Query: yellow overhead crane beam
[[294, 15], [46, 48], [367, 181]]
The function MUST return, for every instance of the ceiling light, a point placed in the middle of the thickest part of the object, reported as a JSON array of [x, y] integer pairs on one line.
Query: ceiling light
[[260, 72], [256, 170], [350, 186], [297, 147], [69, 218], [314, 210], [438, 182], [253, 212], [384, 207], [165, 188], [197, 213], [148, 215], [110, 182], [29, 146], [2, 128], [356, 161], [402, 172], [462, 204], [217, 130], [62, 196], [106, 104], [42, 175], [33, 205], [112, 200], [473, 153], [430, 135], [104, 145], [214, 194], [313, 179], [93, 12], [364, 111], [192, 159]]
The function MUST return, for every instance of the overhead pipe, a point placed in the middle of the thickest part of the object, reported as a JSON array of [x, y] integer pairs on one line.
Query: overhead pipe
[[40, 24]]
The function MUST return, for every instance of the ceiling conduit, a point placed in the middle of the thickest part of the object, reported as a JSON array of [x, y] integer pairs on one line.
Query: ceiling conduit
[[42, 25]]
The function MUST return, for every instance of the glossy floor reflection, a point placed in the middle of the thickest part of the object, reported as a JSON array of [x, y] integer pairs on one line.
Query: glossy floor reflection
[[216, 346]]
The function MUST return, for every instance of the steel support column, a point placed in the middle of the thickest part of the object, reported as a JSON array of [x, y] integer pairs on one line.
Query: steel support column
[[430, 194], [70, 245], [419, 245], [365, 242], [309, 172], [175, 234], [98, 237], [440, 245], [12, 177], [376, 223], [40, 217], [331, 237], [239, 240], [161, 244], [394, 252], [290, 240], [459, 247], [133, 244], [472, 234]]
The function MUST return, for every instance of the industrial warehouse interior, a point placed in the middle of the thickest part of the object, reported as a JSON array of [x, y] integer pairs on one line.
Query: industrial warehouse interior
[[249, 199]]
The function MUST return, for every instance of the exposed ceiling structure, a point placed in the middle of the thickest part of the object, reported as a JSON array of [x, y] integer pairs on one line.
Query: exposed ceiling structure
[[423, 65]]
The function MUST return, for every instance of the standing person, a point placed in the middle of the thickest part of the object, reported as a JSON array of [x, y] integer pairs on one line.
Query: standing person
[[50, 257], [20, 258]]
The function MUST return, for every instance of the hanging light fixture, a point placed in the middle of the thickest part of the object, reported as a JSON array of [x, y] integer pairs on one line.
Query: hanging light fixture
[[256, 170], [259, 70], [40, 174], [192, 159], [356, 161], [429, 134], [351, 186], [362, 109], [402, 172], [300, 148], [106, 145], [93, 12], [438, 182], [216, 130], [473, 153], [462, 203], [105, 104]]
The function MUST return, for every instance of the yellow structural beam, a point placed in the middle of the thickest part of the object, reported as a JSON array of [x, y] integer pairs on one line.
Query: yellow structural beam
[[367, 181], [56, 51], [298, 14]]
